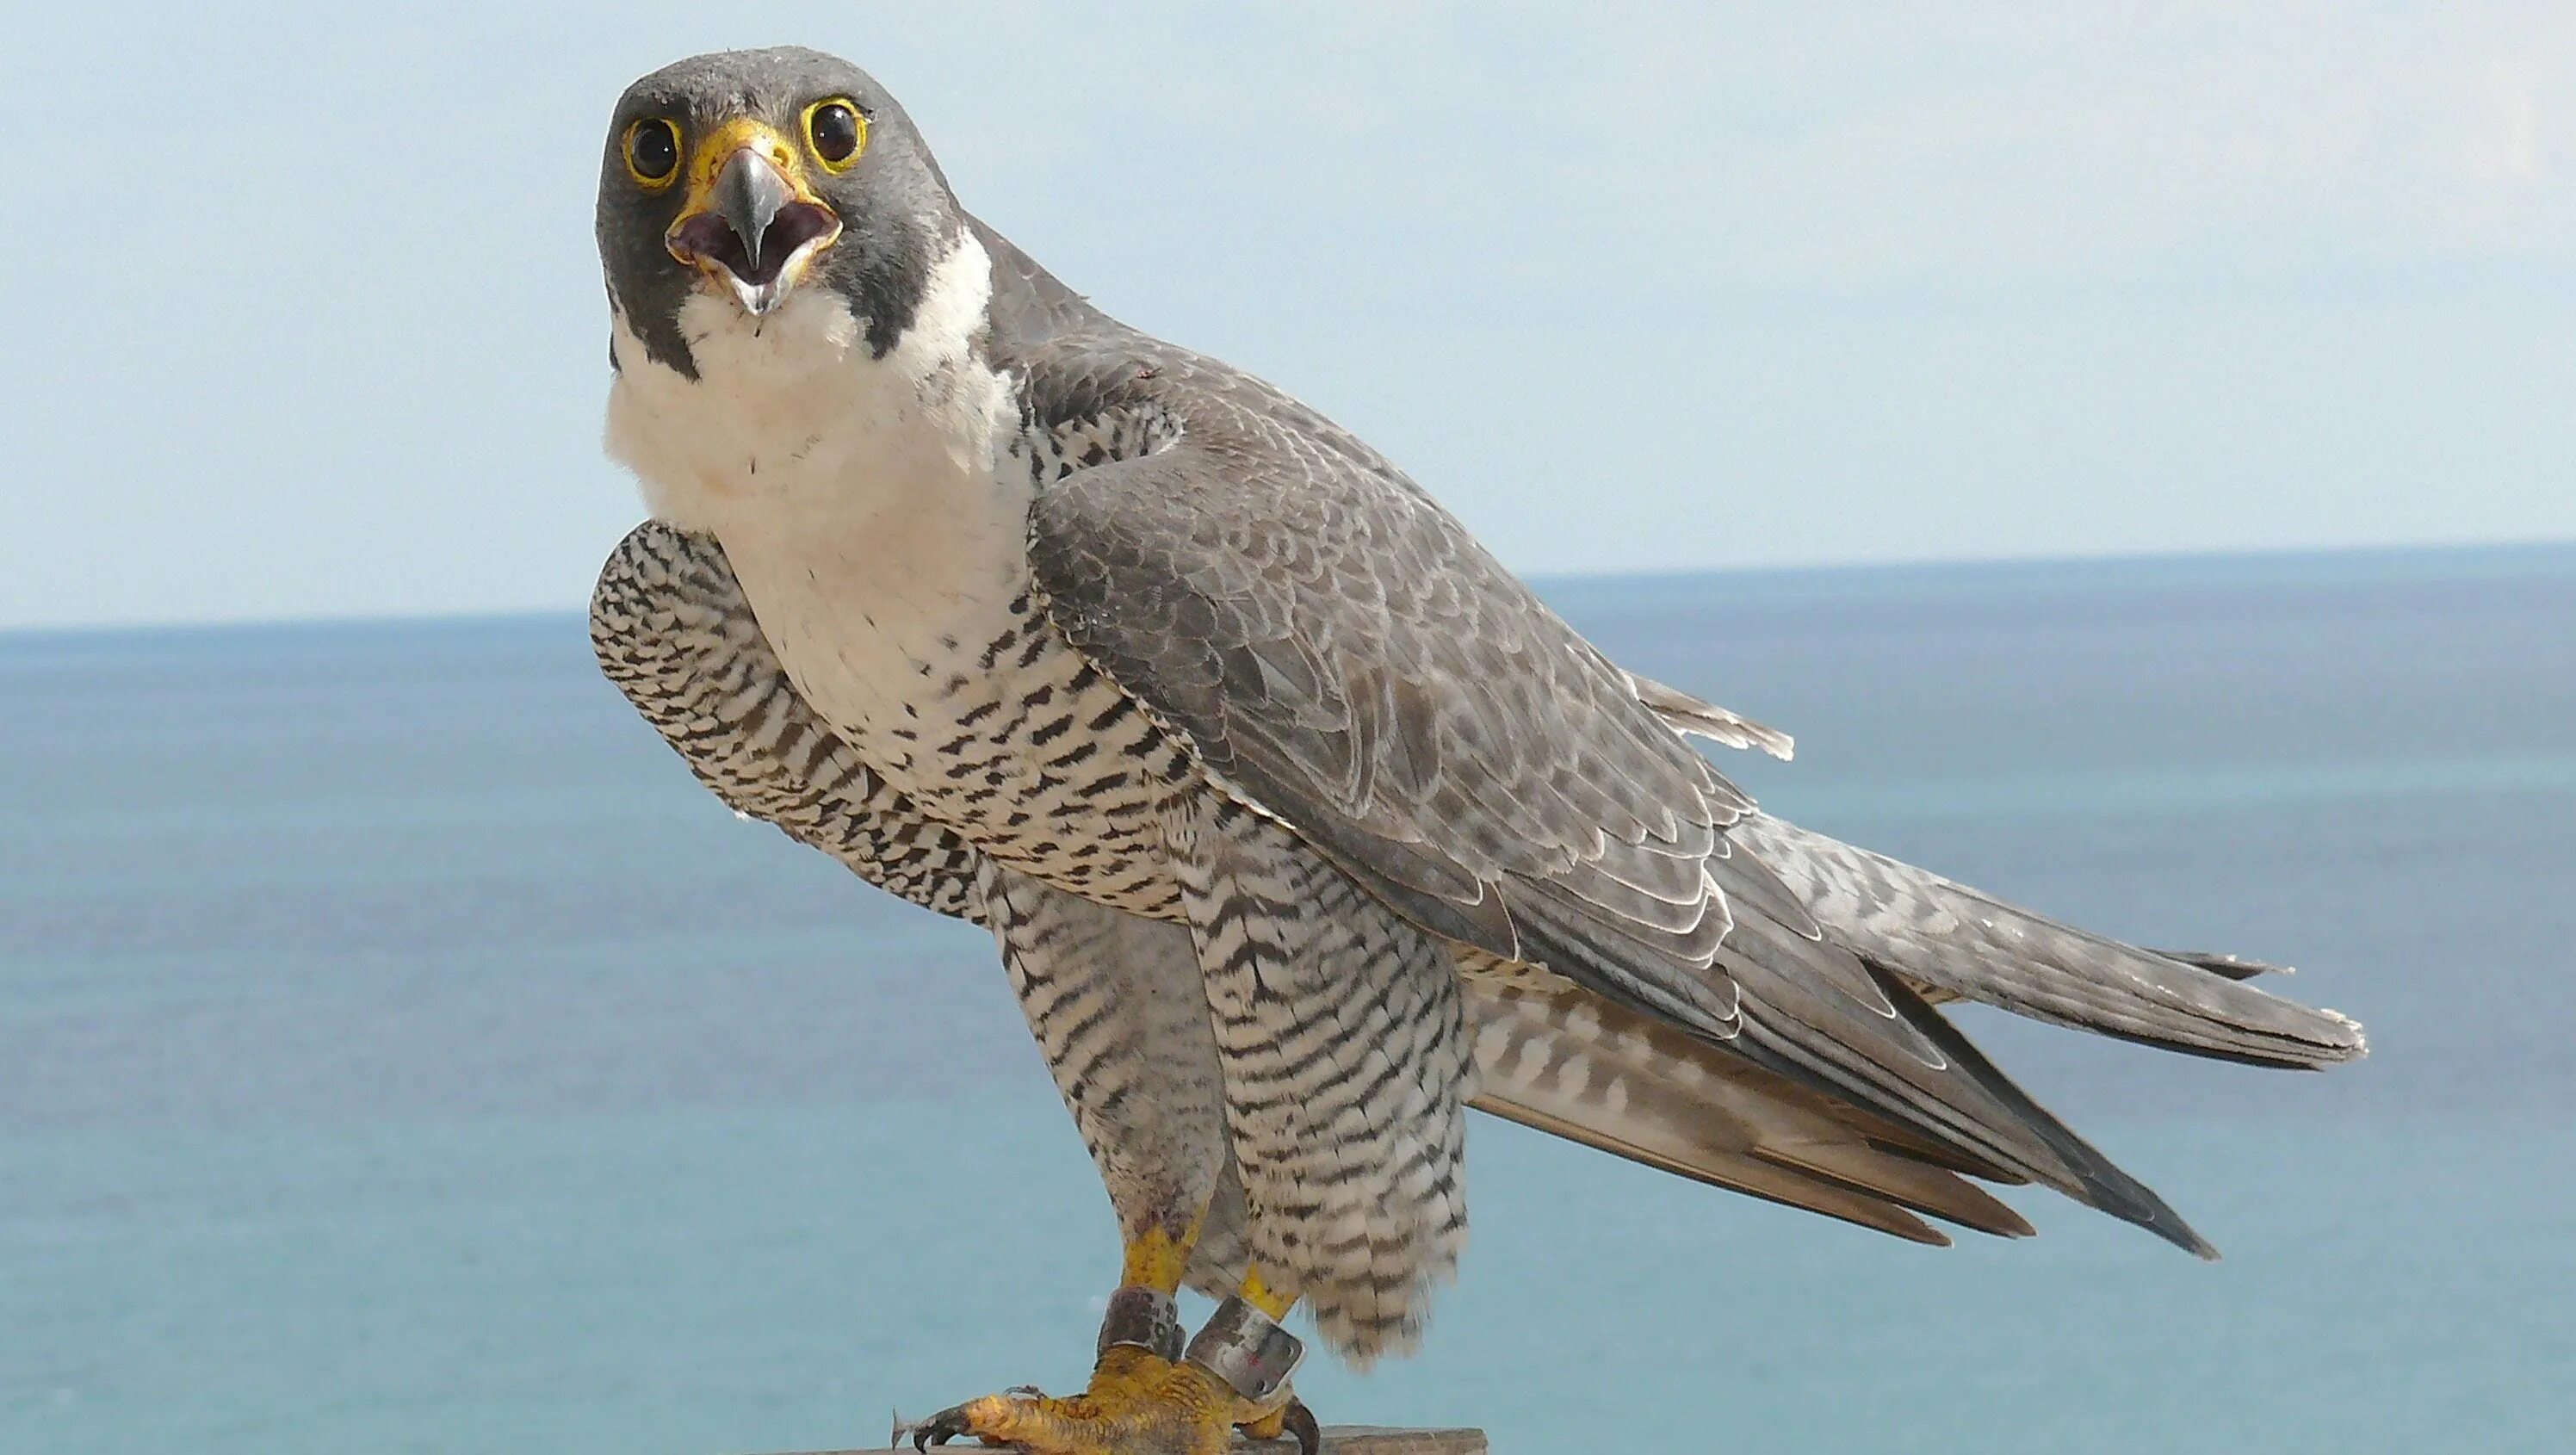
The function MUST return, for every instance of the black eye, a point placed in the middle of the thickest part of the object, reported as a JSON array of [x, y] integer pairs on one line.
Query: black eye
[[837, 131], [653, 150]]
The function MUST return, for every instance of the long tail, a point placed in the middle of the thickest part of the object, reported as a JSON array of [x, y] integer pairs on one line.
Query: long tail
[[1839, 954], [1952, 942]]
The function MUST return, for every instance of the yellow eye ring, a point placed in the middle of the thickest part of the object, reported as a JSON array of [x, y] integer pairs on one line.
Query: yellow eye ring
[[836, 131], [652, 152]]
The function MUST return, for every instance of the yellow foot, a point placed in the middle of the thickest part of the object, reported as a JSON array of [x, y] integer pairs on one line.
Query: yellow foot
[[1137, 1404]]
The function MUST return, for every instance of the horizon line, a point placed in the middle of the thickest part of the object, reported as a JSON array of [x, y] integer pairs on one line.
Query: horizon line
[[1926, 565]]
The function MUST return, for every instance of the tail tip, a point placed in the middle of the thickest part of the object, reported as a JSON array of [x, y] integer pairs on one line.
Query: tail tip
[[2350, 1042]]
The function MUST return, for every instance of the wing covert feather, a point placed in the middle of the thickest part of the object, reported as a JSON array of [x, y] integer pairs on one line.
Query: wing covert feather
[[1344, 656]]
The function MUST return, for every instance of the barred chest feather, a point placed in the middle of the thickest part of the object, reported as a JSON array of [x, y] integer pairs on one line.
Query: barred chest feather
[[875, 510]]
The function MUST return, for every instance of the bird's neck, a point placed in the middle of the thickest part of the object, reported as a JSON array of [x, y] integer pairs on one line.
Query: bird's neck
[[794, 423], [874, 506]]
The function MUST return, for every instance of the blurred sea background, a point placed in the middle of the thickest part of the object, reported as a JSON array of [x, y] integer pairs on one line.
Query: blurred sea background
[[399, 1052]]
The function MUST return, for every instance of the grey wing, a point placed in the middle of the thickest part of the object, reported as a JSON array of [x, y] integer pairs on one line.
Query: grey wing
[[672, 630], [1340, 653], [1343, 657]]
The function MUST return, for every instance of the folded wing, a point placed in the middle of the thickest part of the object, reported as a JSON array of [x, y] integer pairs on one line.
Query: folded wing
[[1343, 657]]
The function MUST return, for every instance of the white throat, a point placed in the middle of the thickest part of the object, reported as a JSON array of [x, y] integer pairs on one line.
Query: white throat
[[794, 411], [871, 506]]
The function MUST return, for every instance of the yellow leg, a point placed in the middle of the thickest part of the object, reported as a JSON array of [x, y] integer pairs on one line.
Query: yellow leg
[[1157, 1257], [1258, 1294]]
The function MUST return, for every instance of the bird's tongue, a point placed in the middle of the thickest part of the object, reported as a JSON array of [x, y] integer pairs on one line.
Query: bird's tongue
[[753, 227], [711, 236]]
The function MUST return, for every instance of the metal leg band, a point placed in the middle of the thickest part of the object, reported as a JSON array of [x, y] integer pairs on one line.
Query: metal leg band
[[1142, 1318], [1247, 1349]]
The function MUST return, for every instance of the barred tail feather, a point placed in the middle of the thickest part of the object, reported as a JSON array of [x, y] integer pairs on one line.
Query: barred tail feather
[[1552, 1056]]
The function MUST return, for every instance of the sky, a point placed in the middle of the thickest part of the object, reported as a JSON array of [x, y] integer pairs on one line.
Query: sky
[[306, 319]]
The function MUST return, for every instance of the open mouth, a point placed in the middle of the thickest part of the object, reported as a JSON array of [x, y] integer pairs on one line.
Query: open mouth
[[760, 262], [755, 229]]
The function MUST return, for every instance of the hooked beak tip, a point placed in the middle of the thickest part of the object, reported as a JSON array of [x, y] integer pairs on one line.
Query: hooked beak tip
[[752, 226]]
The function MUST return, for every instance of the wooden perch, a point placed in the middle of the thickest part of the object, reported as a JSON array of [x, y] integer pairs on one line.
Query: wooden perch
[[1338, 1440]]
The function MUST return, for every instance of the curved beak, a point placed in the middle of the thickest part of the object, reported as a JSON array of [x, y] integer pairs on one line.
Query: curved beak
[[749, 222]]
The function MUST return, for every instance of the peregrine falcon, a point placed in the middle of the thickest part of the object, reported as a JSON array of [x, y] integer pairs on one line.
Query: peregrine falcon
[[1302, 825]]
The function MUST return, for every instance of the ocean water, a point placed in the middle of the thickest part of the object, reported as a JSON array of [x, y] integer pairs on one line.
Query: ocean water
[[399, 1052]]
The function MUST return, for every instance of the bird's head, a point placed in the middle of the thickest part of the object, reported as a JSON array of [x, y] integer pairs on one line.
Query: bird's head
[[755, 176]]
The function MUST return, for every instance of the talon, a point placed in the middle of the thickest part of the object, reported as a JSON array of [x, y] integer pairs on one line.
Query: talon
[[1292, 1419], [1300, 1422], [940, 1428]]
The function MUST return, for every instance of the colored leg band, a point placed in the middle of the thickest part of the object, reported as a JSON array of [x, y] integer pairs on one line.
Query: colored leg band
[[1142, 1318], [1247, 1349]]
